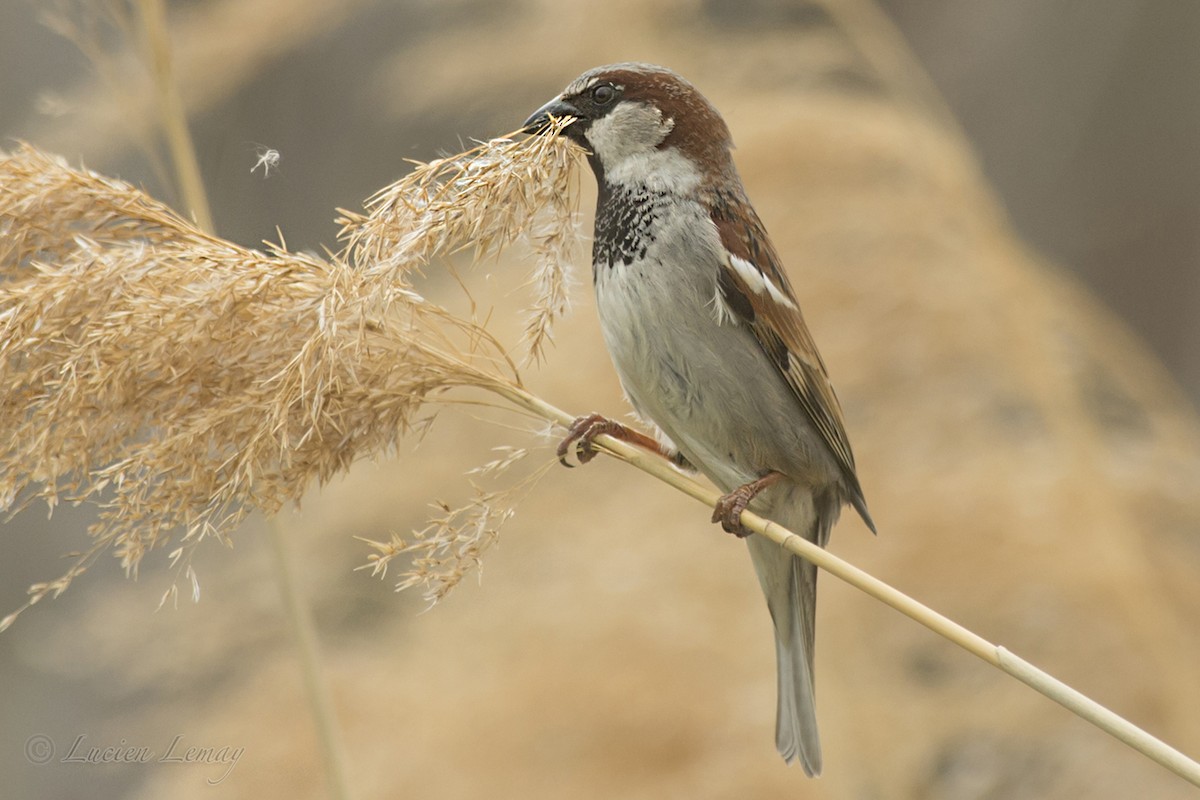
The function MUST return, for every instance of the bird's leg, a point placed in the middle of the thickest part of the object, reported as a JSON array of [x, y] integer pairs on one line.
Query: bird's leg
[[585, 429], [729, 508]]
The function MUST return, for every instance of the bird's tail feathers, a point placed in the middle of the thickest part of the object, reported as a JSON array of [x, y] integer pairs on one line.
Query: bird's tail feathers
[[790, 585]]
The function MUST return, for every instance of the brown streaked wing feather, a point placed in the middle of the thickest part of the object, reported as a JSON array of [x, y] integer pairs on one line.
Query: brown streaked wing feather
[[781, 331]]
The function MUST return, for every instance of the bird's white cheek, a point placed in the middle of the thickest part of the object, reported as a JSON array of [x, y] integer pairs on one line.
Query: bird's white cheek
[[628, 129], [627, 142]]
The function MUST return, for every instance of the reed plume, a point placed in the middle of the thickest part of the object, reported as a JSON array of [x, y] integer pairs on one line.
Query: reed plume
[[181, 381]]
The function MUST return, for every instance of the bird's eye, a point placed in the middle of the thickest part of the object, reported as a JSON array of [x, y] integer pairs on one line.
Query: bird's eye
[[604, 94]]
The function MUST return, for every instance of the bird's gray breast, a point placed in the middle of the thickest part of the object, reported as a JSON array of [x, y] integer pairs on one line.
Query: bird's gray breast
[[700, 376], [655, 269]]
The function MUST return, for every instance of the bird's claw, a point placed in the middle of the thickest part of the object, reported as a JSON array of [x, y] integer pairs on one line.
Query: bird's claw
[[581, 434], [729, 507]]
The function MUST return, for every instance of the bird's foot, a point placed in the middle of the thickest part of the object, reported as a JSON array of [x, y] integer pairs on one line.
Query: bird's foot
[[584, 430], [729, 508]]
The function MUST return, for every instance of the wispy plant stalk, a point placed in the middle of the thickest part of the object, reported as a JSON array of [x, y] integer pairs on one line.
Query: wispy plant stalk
[[172, 112]]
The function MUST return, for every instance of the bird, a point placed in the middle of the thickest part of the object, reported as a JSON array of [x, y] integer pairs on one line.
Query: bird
[[708, 341]]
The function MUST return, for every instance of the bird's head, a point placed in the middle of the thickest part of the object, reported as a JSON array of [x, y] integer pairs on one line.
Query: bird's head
[[641, 123]]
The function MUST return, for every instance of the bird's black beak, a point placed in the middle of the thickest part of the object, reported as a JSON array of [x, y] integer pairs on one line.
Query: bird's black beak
[[539, 119]]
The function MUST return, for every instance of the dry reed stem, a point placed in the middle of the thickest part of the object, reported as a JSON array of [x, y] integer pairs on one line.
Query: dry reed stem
[[181, 381], [172, 115], [158, 56], [111, 35], [998, 656]]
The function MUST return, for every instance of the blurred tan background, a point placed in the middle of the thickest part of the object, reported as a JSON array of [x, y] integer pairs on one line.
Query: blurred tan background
[[957, 238]]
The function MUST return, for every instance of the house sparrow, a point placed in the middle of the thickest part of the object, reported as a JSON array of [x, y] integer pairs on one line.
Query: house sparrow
[[709, 343]]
